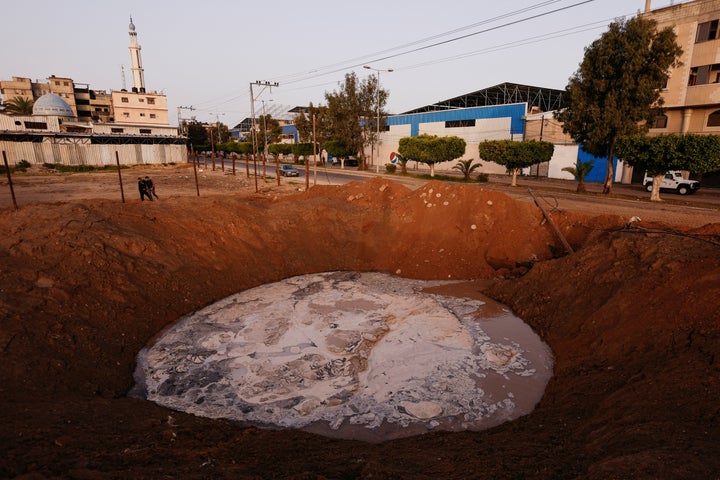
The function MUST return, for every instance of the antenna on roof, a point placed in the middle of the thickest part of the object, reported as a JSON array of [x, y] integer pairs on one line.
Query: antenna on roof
[[122, 77]]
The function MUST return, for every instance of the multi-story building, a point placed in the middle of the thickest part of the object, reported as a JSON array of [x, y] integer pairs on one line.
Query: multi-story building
[[137, 106], [17, 87], [93, 105], [140, 107], [692, 94], [23, 87]]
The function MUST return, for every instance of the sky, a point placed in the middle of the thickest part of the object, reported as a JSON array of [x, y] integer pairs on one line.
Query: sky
[[204, 54]]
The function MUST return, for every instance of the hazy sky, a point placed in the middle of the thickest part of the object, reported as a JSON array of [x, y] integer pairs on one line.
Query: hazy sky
[[204, 54]]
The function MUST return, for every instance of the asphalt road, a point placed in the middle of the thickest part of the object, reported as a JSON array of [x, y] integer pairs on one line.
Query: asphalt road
[[551, 191]]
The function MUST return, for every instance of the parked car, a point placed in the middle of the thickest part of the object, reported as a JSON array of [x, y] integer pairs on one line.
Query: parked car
[[287, 170], [673, 181]]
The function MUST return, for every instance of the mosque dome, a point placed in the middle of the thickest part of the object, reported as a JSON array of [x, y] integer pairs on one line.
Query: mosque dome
[[51, 104]]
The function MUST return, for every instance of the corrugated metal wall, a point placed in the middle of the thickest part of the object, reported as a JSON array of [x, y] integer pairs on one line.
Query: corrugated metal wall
[[95, 155]]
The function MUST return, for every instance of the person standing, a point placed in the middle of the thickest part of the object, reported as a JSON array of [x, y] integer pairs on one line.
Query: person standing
[[150, 187], [143, 189]]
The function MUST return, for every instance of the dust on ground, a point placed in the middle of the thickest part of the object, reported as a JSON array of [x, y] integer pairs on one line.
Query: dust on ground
[[86, 281]]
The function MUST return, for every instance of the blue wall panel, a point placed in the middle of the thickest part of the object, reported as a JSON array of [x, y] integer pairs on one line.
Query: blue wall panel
[[599, 170], [515, 112]]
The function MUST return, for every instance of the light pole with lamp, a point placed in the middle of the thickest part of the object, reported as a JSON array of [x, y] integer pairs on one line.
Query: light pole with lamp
[[377, 138]]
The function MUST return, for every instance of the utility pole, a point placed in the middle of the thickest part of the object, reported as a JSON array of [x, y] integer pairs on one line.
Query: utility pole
[[377, 138], [191, 108], [264, 85]]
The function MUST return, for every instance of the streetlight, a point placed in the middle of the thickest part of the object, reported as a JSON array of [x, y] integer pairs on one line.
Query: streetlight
[[377, 138]]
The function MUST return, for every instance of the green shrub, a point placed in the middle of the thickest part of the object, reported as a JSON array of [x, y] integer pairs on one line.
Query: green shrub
[[22, 166], [79, 168], [483, 177], [390, 167]]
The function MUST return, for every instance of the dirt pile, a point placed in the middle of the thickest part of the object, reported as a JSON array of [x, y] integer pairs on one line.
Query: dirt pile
[[631, 318]]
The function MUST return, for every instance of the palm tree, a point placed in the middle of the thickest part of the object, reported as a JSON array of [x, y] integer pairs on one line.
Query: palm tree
[[19, 106], [580, 171], [466, 167]]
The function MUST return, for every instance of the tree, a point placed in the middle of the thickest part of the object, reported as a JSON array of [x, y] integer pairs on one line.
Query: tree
[[616, 90], [302, 150], [271, 135], [516, 155], [280, 148], [657, 155], [224, 132], [346, 109], [244, 148], [431, 149], [580, 171], [338, 149], [321, 130], [197, 134], [466, 167], [19, 106]]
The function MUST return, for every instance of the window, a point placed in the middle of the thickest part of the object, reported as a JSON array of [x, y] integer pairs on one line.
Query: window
[[142, 114], [66, 84], [152, 115], [151, 101], [124, 99], [36, 125], [126, 114], [117, 130], [459, 123], [707, 31], [704, 75], [145, 131], [141, 100], [660, 121], [714, 119]]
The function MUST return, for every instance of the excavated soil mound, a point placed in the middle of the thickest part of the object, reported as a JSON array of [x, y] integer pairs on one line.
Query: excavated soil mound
[[631, 316]]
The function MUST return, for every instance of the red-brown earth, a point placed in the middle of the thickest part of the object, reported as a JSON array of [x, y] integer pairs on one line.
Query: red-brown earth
[[632, 317]]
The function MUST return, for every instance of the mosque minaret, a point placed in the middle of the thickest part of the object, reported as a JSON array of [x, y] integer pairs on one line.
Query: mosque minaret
[[136, 61]]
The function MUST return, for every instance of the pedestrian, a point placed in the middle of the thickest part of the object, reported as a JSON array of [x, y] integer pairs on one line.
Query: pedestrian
[[143, 188], [150, 187]]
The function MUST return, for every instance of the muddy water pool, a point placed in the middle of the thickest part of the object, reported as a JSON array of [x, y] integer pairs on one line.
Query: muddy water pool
[[364, 356]]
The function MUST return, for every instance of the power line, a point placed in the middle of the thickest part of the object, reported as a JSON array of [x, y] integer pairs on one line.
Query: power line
[[530, 40], [444, 42], [426, 39]]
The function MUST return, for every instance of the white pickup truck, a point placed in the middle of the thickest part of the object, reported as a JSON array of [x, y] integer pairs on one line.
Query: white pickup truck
[[672, 181]]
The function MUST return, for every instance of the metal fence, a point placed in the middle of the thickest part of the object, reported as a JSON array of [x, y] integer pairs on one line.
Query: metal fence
[[37, 153]]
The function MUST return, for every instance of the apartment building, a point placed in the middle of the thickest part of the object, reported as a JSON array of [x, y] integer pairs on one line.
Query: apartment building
[[24, 87], [692, 94], [140, 107]]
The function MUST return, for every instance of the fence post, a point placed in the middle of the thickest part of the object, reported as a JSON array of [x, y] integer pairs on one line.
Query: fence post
[[197, 186], [117, 160], [12, 190]]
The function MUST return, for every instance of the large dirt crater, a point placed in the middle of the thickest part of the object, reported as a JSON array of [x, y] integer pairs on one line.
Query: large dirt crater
[[631, 316]]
